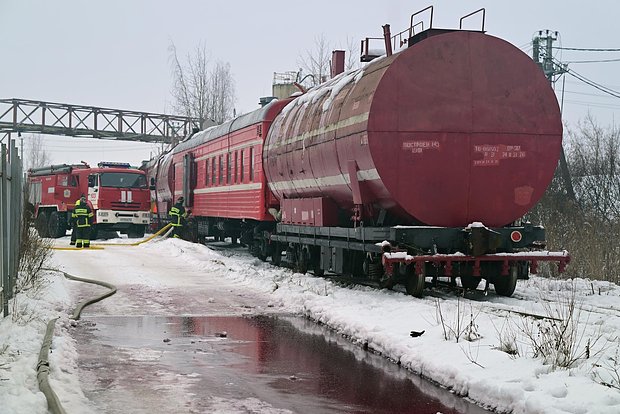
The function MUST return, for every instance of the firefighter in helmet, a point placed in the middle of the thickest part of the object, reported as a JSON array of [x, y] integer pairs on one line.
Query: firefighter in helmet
[[82, 218], [177, 216]]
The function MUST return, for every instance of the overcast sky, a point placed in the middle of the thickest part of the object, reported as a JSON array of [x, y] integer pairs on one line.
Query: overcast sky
[[115, 53]]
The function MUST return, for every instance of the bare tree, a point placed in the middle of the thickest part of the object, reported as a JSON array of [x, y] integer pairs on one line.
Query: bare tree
[[589, 227], [352, 58], [221, 104], [315, 63], [200, 91], [595, 161], [36, 155]]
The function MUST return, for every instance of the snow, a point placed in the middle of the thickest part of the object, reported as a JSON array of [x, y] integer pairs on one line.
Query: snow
[[332, 87], [379, 319]]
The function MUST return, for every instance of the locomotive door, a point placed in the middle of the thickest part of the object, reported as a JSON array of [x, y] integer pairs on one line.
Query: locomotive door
[[189, 179]]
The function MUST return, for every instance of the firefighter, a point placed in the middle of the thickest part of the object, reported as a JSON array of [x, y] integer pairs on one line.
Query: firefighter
[[82, 217], [72, 223], [72, 220], [177, 216]]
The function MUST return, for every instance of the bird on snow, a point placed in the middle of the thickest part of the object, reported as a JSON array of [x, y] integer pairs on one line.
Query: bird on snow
[[415, 334]]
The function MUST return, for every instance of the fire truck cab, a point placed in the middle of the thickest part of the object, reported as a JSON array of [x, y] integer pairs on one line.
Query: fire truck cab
[[119, 195]]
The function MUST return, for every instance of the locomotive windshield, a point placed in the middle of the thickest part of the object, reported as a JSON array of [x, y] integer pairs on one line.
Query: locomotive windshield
[[122, 180]]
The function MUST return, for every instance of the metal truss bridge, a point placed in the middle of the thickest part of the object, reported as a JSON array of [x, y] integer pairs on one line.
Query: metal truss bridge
[[22, 115]]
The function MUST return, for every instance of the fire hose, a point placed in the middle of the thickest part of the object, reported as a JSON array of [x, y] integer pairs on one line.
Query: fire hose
[[164, 230], [43, 366]]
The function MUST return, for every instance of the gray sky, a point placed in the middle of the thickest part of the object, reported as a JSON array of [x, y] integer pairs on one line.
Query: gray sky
[[114, 53]]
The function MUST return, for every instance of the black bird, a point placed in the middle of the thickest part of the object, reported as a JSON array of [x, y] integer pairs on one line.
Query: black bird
[[415, 334]]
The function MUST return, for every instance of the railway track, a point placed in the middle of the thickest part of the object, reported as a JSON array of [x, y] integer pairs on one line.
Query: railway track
[[488, 301]]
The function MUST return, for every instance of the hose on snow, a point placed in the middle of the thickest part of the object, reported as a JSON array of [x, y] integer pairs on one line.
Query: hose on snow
[[43, 366], [43, 369], [167, 228]]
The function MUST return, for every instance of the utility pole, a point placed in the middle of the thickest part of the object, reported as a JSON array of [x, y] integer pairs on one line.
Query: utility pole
[[542, 54]]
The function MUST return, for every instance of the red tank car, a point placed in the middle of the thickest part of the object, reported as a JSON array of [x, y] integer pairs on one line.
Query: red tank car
[[460, 127], [416, 165]]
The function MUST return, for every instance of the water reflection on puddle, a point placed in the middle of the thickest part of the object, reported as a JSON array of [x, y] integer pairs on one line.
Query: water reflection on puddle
[[290, 362]]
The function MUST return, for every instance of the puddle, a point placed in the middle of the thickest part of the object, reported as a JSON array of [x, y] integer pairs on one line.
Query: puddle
[[266, 364]]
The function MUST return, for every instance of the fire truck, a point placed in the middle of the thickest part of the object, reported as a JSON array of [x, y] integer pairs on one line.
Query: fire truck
[[118, 193]]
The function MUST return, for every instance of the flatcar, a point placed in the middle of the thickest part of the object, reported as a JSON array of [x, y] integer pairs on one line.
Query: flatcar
[[415, 168]]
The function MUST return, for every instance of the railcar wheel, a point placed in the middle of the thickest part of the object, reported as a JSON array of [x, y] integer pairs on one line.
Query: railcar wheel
[[414, 283], [506, 285], [41, 224]]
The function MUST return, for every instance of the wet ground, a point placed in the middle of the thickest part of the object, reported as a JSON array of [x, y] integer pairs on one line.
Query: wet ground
[[260, 364]]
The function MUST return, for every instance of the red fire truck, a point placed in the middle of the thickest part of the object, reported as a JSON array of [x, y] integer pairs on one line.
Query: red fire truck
[[118, 193]]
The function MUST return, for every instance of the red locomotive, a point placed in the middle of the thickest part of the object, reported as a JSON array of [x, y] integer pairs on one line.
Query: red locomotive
[[418, 165], [118, 193]]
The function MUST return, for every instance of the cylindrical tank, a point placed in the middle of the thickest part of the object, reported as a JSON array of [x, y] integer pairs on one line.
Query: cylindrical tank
[[459, 127]]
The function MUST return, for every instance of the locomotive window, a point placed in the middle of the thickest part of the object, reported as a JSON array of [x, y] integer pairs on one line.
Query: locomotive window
[[251, 163], [235, 169], [221, 169], [213, 170], [206, 172], [228, 168], [241, 170]]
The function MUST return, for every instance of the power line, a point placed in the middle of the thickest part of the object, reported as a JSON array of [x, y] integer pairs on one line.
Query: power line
[[592, 104], [593, 84], [588, 49], [587, 81], [593, 61]]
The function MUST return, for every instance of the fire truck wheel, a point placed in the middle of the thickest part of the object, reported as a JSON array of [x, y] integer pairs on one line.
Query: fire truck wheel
[[41, 224], [93, 232], [56, 225]]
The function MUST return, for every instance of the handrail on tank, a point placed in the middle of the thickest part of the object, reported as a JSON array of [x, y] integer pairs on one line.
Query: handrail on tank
[[471, 14], [398, 40], [412, 26]]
